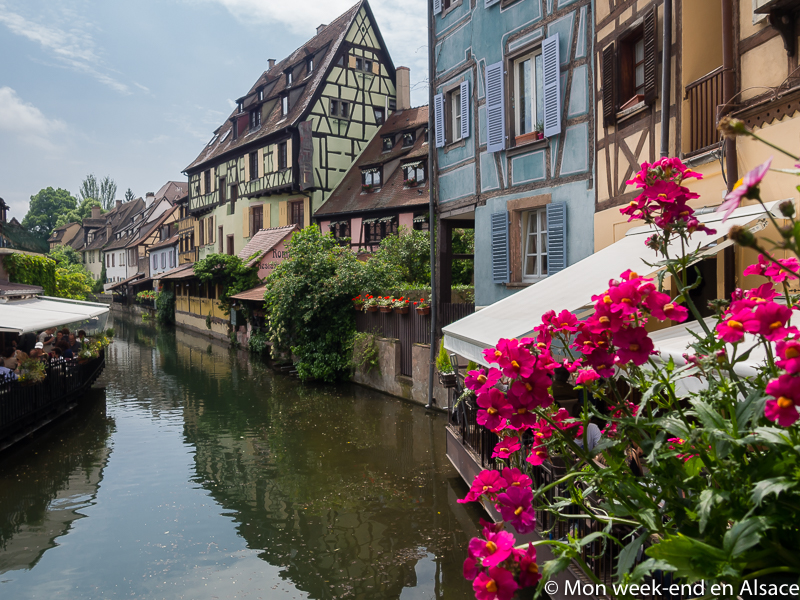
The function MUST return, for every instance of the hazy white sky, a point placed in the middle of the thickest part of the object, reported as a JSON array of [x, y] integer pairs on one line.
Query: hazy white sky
[[134, 89]]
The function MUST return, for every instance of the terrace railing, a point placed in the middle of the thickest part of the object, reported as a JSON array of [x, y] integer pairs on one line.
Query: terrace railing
[[704, 96]]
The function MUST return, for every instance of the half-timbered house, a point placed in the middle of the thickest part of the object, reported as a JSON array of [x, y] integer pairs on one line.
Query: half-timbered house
[[514, 132], [292, 136]]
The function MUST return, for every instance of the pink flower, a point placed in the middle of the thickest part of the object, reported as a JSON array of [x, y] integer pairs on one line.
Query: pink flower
[[625, 298], [506, 447], [480, 381], [518, 362], [528, 393], [789, 354], [785, 391], [471, 568], [633, 345], [528, 569], [498, 584], [773, 318], [565, 321], [497, 410], [587, 376], [542, 431], [494, 549], [485, 483], [516, 478], [605, 319], [571, 367], [732, 330], [746, 187], [767, 268], [662, 307], [538, 455], [515, 507]]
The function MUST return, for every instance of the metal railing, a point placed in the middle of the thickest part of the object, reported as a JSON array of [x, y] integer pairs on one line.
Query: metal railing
[[22, 406], [704, 96]]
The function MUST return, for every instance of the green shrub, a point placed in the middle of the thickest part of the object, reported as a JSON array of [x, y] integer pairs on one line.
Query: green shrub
[[443, 360], [365, 352], [165, 308], [259, 342]]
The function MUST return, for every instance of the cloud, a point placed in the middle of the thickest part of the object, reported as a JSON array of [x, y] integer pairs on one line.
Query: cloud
[[73, 48], [403, 25], [27, 122]]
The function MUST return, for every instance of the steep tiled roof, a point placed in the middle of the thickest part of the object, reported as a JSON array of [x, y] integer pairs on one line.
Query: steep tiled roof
[[116, 217], [148, 228], [265, 240], [348, 198], [173, 191], [322, 47], [168, 242], [183, 272], [256, 293]]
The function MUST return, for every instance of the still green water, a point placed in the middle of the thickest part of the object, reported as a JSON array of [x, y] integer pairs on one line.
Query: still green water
[[198, 473]]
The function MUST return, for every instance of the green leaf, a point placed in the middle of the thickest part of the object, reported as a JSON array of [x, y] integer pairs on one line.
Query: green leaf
[[743, 535], [554, 567], [676, 427], [764, 488], [770, 435], [628, 554], [753, 406], [709, 417], [708, 498], [693, 466], [691, 559]]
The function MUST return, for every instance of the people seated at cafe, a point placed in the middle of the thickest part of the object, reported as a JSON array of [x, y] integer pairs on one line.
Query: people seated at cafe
[[5, 372], [10, 358], [74, 344], [49, 343], [82, 338], [66, 351], [50, 331]]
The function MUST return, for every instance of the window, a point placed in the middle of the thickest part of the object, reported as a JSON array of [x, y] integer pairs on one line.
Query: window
[[171, 259], [155, 262], [230, 245], [233, 197], [296, 213], [240, 107], [534, 244], [527, 94], [380, 116], [340, 108], [340, 229], [414, 173], [370, 179], [210, 224], [409, 138], [220, 238], [310, 65], [367, 65], [631, 69], [375, 230], [359, 64], [207, 177], [255, 118], [426, 135], [283, 158], [289, 78], [222, 190], [260, 94], [253, 166], [388, 144], [256, 219], [284, 105], [454, 102], [163, 260]]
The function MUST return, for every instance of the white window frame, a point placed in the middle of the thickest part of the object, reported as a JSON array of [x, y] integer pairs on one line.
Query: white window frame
[[540, 215], [455, 115], [284, 105], [532, 56]]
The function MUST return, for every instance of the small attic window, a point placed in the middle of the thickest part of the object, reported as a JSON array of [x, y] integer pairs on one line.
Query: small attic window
[[388, 144], [284, 105], [310, 65], [288, 77], [241, 107], [408, 139], [260, 94], [213, 139]]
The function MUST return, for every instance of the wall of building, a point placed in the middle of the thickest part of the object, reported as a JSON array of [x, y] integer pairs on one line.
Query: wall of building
[[169, 255]]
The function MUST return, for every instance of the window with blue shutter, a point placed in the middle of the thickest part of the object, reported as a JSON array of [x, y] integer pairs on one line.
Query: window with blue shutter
[[464, 97], [552, 85], [556, 237], [438, 119], [500, 270], [495, 108], [437, 6]]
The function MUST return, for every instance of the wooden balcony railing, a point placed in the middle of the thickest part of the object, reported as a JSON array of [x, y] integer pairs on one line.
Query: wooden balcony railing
[[190, 256], [704, 96], [186, 224]]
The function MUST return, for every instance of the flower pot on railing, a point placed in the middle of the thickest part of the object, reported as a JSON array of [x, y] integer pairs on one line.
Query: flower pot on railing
[[359, 307], [372, 308], [401, 310], [447, 380], [386, 309], [424, 311]]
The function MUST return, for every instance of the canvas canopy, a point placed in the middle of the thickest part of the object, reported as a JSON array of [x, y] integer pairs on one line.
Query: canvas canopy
[[37, 314], [573, 288]]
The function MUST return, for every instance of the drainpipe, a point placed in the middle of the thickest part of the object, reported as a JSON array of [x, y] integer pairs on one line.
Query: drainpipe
[[431, 204], [728, 88], [666, 72]]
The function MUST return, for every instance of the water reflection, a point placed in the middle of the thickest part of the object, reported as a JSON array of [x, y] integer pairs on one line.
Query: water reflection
[[220, 466]]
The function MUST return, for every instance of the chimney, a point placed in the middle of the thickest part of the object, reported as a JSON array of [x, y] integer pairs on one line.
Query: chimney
[[320, 28], [271, 62], [96, 212], [403, 87], [149, 197], [118, 203]]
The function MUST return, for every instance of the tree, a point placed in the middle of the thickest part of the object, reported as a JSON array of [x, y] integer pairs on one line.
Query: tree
[[45, 209], [90, 188], [105, 191], [410, 252], [65, 255], [84, 211], [73, 281], [129, 195], [230, 272]]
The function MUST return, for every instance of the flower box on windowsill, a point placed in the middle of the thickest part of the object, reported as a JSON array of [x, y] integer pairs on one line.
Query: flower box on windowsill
[[527, 142], [526, 138]]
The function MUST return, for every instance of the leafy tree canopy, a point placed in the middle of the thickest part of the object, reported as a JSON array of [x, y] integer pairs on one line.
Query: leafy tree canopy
[[65, 255], [129, 195], [45, 209], [83, 211], [104, 191], [409, 252], [228, 271]]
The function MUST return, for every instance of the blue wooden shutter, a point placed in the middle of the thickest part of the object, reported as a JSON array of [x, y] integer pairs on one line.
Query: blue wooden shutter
[[488, 3], [437, 6], [500, 247], [438, 119], [552, 85], [556, 237], [495, 108], [464, 94]]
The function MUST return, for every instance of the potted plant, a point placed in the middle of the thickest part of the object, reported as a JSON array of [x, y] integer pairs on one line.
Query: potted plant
[[385, 303], [423, 307], [366, 188], [31, 371], [447, 376], [370, 304], [358, 303], [539, 130], [400, 305], [410, 182]]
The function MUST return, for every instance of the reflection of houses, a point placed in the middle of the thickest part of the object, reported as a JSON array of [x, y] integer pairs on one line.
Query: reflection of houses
[[387, 187], [196, 305], [293, 135], [514, 129]]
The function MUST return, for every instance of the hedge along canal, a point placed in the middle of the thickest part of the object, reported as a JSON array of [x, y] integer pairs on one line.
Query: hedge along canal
[[199, 473]]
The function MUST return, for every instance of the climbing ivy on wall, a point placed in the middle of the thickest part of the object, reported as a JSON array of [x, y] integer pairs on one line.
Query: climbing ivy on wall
[[32, 269]]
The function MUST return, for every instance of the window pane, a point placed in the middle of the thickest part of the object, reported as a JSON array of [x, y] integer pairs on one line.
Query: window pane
[[539, 116], [544, 264], [530, 266], [524, 96], [639, 50], [543, 219], [639, 77]]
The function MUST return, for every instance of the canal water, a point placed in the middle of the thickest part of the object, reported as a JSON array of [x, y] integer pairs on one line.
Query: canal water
[[199, 473]]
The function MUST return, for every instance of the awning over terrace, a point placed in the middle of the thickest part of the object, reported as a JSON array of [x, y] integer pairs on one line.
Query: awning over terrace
[[37, 314], [573, 288], [119, 284]]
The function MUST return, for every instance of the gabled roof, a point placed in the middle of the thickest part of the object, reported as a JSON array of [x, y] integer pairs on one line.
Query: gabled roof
[[116, 218], [256, 293], [183, 272], [323, 47], [347, 197], [148, 227], [173, 191], [265, 240], [167, 242]]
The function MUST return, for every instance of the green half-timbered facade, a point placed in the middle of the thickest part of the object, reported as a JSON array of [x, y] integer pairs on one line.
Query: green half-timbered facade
[[293, 136]]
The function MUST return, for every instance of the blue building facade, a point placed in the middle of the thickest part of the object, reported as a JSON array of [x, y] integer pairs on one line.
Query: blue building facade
[[514, 132]]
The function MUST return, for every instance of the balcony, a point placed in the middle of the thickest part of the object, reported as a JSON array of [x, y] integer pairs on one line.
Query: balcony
[[189, 256], [186, 224], [269, 183], [704, 96], [205, 201]]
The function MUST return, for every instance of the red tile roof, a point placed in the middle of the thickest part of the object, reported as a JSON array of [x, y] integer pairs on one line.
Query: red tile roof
[[257, 293], [265, 240]]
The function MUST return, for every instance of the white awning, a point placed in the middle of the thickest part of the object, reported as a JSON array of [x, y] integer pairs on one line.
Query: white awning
[[573, 288], [37, 314]]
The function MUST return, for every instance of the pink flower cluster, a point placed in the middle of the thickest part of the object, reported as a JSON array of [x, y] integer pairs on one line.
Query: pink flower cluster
[[664, 201], [754, 311], [498, 569]]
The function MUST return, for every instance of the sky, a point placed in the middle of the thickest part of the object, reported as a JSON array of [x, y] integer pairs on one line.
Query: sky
[[135, 89]]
